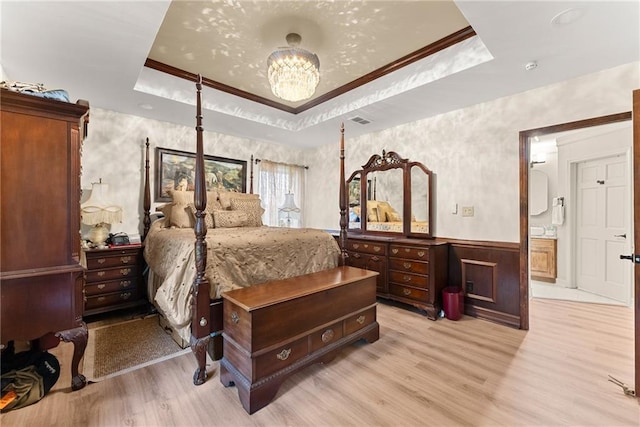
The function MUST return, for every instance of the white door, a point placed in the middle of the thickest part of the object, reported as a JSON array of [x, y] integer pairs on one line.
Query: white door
[[603, 228]]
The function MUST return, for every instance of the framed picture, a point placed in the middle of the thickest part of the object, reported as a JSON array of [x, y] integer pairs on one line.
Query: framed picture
[[176, 170]]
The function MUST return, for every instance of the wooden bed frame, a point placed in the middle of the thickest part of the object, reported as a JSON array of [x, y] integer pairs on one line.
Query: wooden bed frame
[[207, 317]]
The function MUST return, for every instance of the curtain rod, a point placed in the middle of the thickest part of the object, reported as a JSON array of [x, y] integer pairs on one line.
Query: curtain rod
[[281, 163]]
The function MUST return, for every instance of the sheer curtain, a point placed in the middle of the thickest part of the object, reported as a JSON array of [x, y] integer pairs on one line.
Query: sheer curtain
[[276, 180]]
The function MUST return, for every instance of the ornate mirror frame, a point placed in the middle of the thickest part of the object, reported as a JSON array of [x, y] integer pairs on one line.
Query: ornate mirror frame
[[362, 189]]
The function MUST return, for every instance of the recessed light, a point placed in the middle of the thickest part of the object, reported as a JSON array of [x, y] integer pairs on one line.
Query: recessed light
[[568, 16], [531, 65], [146, 106]]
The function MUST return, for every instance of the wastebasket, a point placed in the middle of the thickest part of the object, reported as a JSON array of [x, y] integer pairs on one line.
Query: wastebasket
[[452, 302]]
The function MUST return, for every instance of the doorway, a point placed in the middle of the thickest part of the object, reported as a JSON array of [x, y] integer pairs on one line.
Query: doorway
[[581, 212]]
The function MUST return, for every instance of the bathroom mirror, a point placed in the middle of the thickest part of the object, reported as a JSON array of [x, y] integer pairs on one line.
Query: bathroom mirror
[[394, 197], [538, 192]]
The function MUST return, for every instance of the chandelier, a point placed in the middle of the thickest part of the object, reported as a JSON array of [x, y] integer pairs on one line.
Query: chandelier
[[294, 73]]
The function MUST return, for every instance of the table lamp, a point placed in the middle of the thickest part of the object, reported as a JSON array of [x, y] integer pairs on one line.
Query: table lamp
[[99, 211], [289, 207]]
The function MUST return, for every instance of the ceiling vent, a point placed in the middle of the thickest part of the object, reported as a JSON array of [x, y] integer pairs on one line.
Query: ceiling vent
[[360, 120]]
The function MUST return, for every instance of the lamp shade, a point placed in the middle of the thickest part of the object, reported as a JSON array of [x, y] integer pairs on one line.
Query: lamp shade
[[99, 209], [289, 204]]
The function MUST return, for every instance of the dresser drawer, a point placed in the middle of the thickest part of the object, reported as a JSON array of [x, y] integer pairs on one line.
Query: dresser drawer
[[409, 252], [409, 292], [366, 247], [111, 274], [409, 279], [110, 286], [410, 266], [280, 358], [325, 336], [99, 261], [110, 299]]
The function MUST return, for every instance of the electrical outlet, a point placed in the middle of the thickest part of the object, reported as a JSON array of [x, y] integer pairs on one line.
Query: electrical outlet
[[467, 211]]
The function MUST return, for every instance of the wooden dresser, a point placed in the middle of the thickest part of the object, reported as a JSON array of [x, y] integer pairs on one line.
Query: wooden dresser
[[113, 279], [273, 329], [40, 272], [412, 271]]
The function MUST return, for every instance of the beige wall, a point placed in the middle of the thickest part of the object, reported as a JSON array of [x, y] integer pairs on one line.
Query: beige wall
[[114, 151], [473, 152]]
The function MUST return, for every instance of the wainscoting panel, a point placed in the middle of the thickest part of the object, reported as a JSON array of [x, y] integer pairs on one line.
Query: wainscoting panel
[[488, 272]]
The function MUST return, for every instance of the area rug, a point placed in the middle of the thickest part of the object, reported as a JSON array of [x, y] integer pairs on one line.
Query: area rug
[[122, 347]]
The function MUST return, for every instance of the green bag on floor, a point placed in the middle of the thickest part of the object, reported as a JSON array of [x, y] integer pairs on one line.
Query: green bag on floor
[[25, 387]]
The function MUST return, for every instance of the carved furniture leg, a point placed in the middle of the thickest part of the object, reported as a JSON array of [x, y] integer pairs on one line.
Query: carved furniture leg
[[199, 349], [78, 336]]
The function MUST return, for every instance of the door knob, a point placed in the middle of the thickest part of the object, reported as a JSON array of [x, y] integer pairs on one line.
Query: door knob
[[633, 258], [624, 236]]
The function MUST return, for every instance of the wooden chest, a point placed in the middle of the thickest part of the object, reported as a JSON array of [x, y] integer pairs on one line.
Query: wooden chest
[[273, 329]]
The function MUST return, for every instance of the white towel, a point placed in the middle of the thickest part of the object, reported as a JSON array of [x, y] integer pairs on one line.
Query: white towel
[[557, 215]]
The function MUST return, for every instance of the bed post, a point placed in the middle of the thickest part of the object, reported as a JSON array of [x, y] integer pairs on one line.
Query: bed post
[[251, 177], [343, 203], [200, 328], [146, 204]]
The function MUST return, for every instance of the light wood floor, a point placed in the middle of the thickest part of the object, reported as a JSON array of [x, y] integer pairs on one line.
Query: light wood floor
[[444, 373]]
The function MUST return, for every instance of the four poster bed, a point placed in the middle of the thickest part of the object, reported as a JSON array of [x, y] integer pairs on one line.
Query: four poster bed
[[190, 279]]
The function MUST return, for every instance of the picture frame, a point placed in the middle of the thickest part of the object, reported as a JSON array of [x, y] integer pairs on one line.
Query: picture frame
[[176, 169]]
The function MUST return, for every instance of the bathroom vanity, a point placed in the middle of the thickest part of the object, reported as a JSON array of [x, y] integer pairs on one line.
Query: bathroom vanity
[[543, 259]]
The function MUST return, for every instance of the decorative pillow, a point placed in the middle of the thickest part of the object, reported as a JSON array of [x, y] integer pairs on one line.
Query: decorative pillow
[[393, 217], [228, 219], [208, 218], [226, 196], [253, 209], [183, 211], [372, 211], [383, 209]]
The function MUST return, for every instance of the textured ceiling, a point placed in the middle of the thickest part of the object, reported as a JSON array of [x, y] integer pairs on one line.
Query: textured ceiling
[[229, 42], [96, 50]]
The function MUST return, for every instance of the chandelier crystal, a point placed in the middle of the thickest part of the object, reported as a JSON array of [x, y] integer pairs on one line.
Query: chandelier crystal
[[294, 73]]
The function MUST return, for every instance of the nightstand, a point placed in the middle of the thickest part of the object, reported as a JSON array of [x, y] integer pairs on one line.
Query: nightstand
[[113, 279]]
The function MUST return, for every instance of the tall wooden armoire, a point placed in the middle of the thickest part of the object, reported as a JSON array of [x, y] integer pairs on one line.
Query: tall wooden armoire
[[40, 273]]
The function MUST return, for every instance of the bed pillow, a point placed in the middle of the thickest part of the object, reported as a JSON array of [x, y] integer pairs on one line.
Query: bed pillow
[[228, 219], [384, 208], [226, 196], [252, 208], [212, 205], [181, 215], [166, 212]]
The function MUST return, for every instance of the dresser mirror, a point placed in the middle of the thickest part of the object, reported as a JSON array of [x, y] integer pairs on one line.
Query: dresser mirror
[[391, 195]]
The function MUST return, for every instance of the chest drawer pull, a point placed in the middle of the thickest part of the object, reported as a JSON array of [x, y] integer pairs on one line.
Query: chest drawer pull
[[406, 278], [355, 246], [407, 265], [375, 258], [357, 256], [394, 250], [377, 248], [125, 259], [125, 283], [284, 354], [101, 286], [100, 273], [125, 295], [234, 317], [360, 319], [101, 299], [125, 271], [327, 335], [101, 260], [203, 322], [421, 253], [406, 291]]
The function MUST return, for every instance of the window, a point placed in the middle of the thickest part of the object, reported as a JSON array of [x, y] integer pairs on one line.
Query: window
[[276, 181]]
